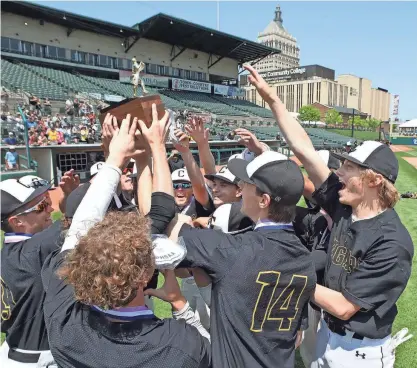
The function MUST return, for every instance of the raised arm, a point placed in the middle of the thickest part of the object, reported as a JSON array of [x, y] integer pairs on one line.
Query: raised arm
[[193, 170], [145, 183], [294, 134], [93, 207], [155, 136], [201, 136]]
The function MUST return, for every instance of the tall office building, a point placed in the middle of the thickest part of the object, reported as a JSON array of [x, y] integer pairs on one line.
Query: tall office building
[[275, 35]]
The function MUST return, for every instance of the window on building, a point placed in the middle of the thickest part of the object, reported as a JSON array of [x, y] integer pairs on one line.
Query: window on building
[[5, 43], [186, 74], [112, 62], [253, 96], [318, 92], [26, 47], [14, 44], [175, 72]]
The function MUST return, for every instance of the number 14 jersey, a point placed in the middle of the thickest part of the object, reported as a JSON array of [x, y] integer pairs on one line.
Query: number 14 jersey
[[262, 282]]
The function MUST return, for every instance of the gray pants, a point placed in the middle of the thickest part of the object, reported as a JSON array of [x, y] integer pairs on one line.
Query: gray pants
[[45, 360]]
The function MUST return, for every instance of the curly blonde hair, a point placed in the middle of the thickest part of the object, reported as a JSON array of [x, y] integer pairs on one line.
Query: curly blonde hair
[[387, 193], [112, 261]]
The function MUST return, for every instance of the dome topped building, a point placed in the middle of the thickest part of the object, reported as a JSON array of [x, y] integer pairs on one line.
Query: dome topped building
[[275, 35]]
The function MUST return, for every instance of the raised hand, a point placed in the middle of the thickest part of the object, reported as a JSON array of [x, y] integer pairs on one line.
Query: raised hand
[[69, 182], [183, 144], [108, 130], [195, 128], [123, 145], [249, 140], [156, 133], [266, 92]]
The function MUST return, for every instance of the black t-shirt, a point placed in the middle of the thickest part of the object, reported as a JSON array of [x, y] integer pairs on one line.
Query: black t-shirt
[[195, 209], [369, 262], [22, 290], [81, 337], [262, 281]]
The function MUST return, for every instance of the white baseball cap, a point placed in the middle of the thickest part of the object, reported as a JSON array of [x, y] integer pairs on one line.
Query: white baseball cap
[[34, 181], [96, 168], [15, 194], [223, 174], [180, 175], [229, 219]]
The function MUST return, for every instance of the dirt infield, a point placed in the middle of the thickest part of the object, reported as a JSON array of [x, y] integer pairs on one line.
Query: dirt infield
[[400, 148], [411, 160]]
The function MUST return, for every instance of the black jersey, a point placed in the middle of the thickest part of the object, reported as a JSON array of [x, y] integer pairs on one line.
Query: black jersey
[[369, 262], [262, 280], [22, 291]]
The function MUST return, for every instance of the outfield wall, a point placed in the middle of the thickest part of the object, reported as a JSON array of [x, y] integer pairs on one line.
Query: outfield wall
[[406, 141]]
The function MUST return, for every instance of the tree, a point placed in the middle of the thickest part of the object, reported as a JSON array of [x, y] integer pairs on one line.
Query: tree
[[309, 113], [357, 121], [373, 123], [333, 117]]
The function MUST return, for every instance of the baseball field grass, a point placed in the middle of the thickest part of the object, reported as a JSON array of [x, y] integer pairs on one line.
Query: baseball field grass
[[358, 134], [407, 315]]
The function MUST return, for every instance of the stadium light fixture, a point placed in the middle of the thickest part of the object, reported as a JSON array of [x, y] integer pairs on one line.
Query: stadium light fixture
[[121, 31], [122, 44], [211, 34], [26, 23], [171, 22], [64, 17]]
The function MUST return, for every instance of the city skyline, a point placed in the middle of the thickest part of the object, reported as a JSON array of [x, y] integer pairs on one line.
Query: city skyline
[[372, 40]]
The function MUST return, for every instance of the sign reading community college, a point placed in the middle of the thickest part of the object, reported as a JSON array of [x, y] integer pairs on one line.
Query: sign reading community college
[[300, 73], [189, 85], [283, 73]]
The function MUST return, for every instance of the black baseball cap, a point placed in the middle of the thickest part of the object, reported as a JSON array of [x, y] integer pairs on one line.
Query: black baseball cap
[[272, 173], [229, 219], [16, 194], [74, 199], [373, 155]]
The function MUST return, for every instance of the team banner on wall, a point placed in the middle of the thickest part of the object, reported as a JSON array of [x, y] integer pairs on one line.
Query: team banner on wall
[[396, 104], [148, 79], [189, 85]]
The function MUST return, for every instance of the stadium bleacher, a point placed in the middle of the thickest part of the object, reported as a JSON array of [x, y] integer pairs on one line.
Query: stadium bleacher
[[204, 102], [22, 78], [246, 106]]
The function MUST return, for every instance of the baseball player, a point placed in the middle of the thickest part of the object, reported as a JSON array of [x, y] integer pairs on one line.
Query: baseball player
[[370, 251], [29, 238], [105, 322], [262, 279]]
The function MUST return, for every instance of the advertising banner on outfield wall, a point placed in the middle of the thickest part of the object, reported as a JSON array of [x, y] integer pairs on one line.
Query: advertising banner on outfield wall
[[189, 85], [231, 91], [220, 89], [236, 92], [113, 98], [396, 105], [149, 79]]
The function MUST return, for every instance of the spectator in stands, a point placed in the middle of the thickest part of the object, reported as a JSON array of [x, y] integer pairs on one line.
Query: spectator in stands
[[33, 102], [69, 109], [4, 99], [43, 139], [33, 139], [47, 107], [175, 161], [53, 135], [31, 123], [76, 105], [11, 140], [12, 159], [83, 134]]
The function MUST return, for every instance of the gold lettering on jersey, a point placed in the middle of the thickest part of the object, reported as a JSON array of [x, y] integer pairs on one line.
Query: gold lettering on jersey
[[342, 256], [6, 300], [284, 307]]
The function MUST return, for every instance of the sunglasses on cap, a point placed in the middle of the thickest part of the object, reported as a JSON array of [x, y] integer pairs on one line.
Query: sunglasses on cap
[[38, 183], [182, 185], [38, 208]]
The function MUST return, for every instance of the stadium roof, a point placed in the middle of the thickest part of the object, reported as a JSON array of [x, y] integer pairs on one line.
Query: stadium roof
[[175, 31], [160, 27]]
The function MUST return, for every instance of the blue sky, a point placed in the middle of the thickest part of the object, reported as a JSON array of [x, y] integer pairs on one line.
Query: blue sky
[[374, 40]]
